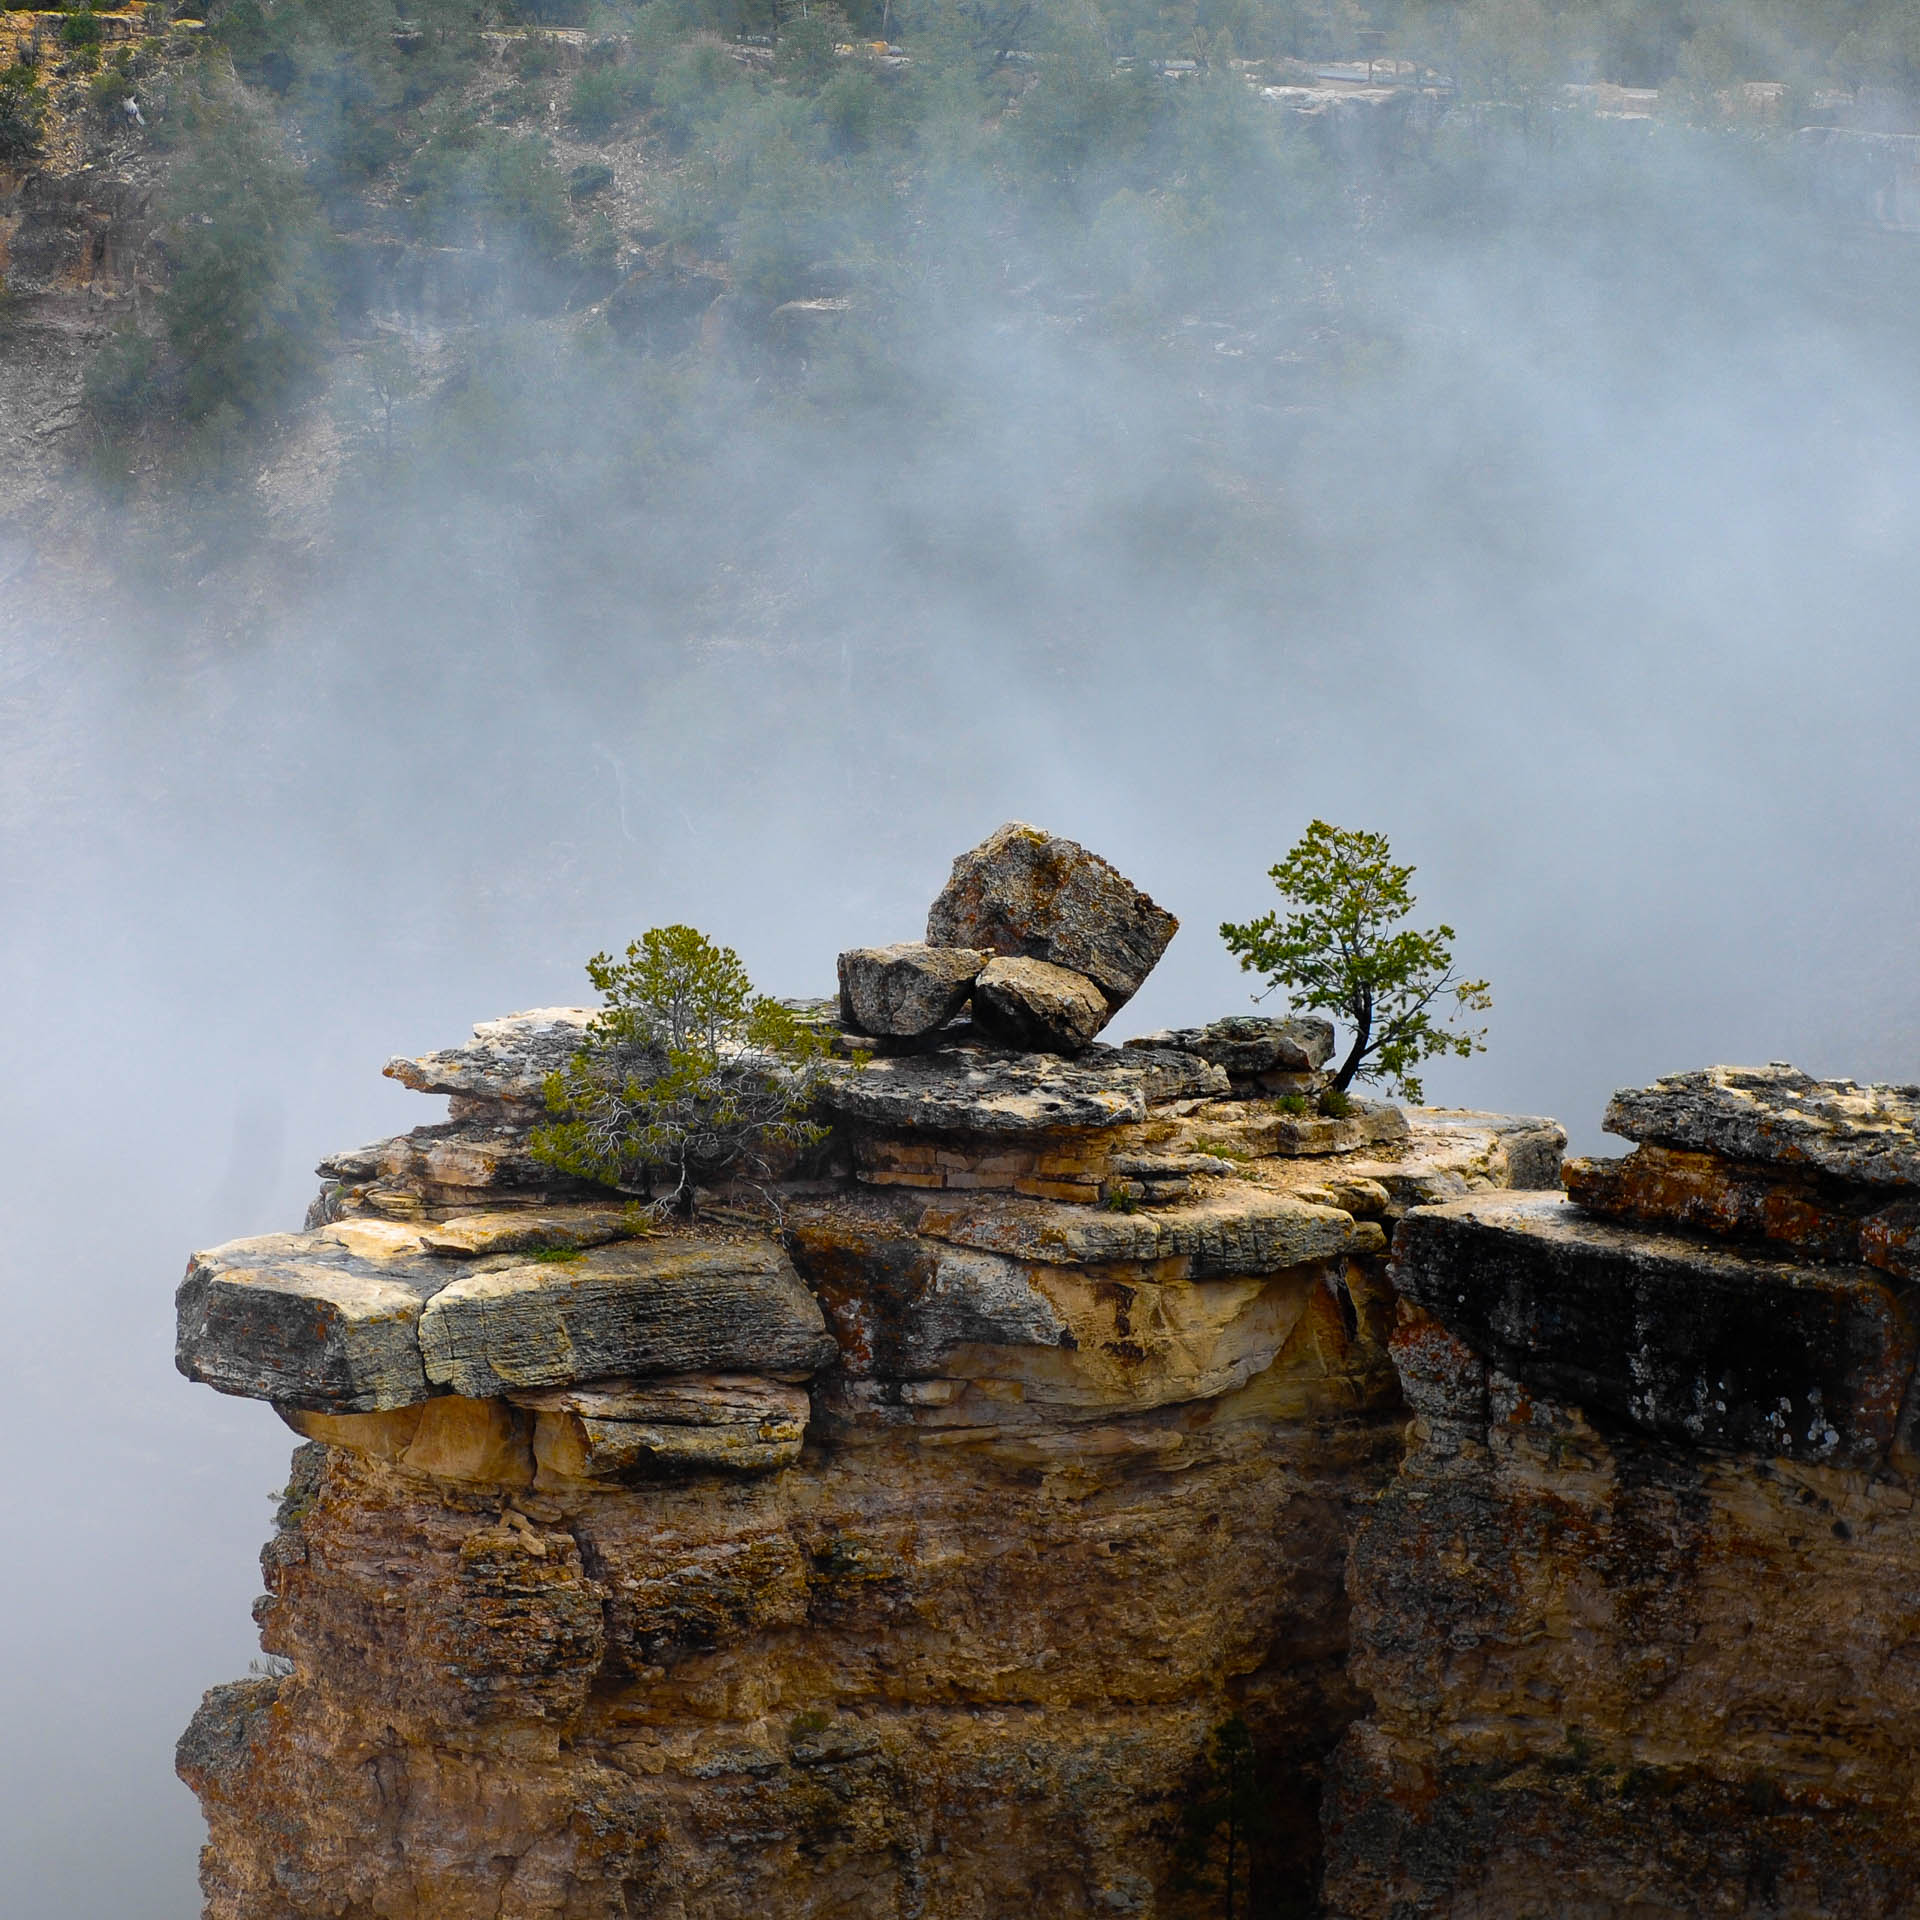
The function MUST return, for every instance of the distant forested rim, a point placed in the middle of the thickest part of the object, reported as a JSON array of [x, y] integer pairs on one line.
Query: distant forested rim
[[443, 224]]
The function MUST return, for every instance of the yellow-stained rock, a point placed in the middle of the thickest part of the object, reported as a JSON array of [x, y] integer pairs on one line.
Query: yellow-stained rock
[[476, 1442]]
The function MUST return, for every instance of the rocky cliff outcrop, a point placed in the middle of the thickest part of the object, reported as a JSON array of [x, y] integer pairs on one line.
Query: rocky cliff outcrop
[[898, 1550], [1638, 1616]]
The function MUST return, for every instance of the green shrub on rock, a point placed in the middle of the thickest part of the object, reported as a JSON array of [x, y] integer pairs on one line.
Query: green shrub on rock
[[686, 1074], [1339, 949]]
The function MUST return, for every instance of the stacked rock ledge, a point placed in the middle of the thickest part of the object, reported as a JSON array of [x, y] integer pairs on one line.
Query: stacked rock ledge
[[899, 1548], [1635, 1612]]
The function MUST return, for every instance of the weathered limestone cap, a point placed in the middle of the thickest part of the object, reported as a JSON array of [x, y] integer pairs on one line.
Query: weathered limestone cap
[[1868, 1134]]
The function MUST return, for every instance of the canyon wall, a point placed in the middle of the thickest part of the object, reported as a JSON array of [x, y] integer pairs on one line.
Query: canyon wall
[[1089, 1480], [938, 1533], [1638, 1617]]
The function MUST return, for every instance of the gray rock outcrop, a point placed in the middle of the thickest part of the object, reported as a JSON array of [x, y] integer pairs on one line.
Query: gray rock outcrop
[[1251, 1044], [1032, 1004], [989, 1091], [1870, 1135], [1027, 894], [907, 990]]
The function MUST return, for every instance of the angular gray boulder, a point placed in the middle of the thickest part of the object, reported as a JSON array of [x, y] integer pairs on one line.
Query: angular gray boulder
[[1043, 1008], [1027, 894], [907, 990], [306, 1321]]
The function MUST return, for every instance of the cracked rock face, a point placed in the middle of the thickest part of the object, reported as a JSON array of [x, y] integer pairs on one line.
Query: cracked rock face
[[907, 990], [1622, 1675], [1635, 1612], [1047, 1009], [1027, 894], [1701, 1343]]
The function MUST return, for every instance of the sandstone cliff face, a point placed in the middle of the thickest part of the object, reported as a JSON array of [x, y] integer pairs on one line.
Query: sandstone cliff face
[[900, 1555], [1638, 1616]]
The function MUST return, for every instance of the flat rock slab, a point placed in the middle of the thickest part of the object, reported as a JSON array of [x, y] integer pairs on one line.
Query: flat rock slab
[[1028, 894], [307, 1321], [648, 1306], [1247, 1044], [1250, 1231], [514, 1230], [1263, 1129], [906, 990], [1870, 1135], [1696, 1342], [507, 1059], [990, 1091]]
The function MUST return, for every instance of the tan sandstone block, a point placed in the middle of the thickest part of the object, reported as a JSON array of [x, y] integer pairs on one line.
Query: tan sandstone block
[[478, 1442]]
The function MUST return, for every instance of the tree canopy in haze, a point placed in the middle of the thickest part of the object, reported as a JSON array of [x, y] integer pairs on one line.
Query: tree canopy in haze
[[1338, 948]]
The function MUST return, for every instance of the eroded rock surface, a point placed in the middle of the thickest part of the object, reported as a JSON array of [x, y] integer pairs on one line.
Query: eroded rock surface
[[902, 1551], [1636, 1614]]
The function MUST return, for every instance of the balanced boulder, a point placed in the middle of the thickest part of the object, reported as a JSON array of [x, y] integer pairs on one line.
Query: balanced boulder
[[905, 990], [1026, 894], [1043, 1008]]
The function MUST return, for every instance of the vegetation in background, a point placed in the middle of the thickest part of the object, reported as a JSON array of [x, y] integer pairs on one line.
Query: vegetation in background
[[1220, 1826], [686, 1075], [23, 107], [1339, 949], [816, 219]]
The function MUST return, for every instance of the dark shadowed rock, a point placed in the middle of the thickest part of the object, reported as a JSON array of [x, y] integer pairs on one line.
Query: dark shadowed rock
[[1697, 1342], [1030, 895], [905, 990], [1046, 1009], [982, 1090], [1247, 1044], [1777, 1113]]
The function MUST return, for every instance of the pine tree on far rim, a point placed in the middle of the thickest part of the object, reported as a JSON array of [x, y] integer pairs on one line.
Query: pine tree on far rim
[[1340, 950], [686, 1074]]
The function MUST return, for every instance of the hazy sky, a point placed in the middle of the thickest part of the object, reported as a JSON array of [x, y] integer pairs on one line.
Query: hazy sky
[[1594, 591]]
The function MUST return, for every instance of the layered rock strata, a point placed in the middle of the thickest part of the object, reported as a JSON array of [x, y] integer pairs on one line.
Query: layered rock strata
[[901, 1553], [1638, 1615]]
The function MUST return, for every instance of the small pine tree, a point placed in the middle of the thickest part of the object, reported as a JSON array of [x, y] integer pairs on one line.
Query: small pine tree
[[687, 1074]]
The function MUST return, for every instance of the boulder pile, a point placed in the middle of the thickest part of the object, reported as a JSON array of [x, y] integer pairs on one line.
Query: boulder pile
[[1047, 940]]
